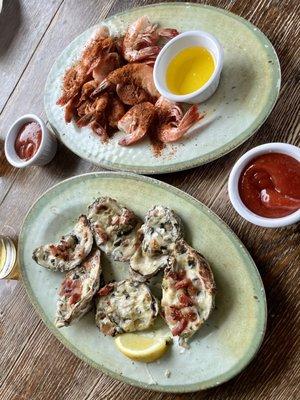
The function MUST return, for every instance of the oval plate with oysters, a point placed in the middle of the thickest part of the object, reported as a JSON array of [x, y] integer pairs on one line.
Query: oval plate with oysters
[[207, 353]]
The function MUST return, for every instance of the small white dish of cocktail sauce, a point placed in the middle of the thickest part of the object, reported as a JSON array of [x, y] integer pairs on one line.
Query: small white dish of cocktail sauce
[[29, 142], [264, 185]]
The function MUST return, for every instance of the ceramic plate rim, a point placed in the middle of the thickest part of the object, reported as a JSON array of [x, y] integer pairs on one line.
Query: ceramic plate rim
[[217, 153], [239, 366]]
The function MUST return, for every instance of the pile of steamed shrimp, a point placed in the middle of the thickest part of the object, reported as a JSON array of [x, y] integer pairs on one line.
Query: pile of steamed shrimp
[[111, 87]]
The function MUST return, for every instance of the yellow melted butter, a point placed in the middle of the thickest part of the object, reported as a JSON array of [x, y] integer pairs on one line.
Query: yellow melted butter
[[189, 70]]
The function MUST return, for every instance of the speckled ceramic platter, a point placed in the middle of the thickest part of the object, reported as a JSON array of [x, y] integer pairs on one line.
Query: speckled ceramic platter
[[248, 89], [229, 339]]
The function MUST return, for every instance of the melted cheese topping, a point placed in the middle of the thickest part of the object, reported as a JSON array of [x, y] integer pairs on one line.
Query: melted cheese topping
[[130, 307], [188, 265]]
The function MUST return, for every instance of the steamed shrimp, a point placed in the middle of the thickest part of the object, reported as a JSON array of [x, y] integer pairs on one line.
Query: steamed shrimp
[[130, 94], [100, 129], [116, 110], [139, 75], [141, 40], [92, 110], [80, 73], [70, 109], [87, 89], [104, 65], [136, 123], [172, 124]]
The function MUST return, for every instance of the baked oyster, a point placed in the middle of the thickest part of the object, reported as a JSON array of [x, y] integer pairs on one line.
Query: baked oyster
[[160, 232], [125, 306], [114, 227], [77, 290], [70, 251], [188, 290]]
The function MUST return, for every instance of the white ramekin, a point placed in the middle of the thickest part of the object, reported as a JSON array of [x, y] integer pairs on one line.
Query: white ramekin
[[174, 46], [233, 182], [45, 152]]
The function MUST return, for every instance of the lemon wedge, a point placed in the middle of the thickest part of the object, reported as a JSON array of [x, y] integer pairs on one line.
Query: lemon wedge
[[141, 348]]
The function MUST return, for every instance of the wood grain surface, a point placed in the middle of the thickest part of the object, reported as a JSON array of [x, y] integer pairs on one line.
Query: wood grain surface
[[33, 364]]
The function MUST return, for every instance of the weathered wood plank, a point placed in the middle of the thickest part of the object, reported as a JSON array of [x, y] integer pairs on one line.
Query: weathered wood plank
[[49, 374], [18, 321], [23, 24], [8, 174]]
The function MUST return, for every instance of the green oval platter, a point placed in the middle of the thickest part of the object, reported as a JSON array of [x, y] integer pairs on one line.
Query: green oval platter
[[248, 90], [225, 344]]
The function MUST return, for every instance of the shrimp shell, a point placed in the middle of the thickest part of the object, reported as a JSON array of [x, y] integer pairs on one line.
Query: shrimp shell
[[80, 73], [116, 110], [130, 94], [139, 40], [136, 123], [173, 131], [140, 75]]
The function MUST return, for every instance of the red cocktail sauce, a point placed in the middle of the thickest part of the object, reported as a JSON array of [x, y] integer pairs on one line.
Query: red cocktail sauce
[[28, 140], [269, 186]]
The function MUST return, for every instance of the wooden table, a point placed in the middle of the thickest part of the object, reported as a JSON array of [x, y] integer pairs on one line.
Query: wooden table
[[33, 363]]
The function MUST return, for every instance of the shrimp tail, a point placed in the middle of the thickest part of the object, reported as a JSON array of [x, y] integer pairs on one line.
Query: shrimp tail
[[191, 117], [85, 120], [126, 141], [94, 65], [167, 33], [69, 112], [100, 131], [142, 54], [132, 138], [68, 115], [101, 87], [63, 100]]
